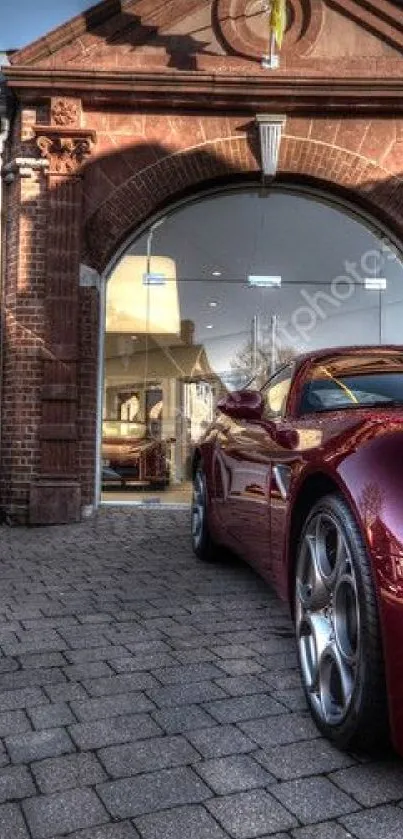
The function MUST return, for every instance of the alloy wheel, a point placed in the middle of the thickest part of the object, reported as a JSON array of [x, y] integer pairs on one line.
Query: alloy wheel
[[198, 511], [327, 619]]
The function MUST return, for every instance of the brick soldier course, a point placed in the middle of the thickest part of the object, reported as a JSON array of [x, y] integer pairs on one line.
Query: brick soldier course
[[144, 694], [119, 113]]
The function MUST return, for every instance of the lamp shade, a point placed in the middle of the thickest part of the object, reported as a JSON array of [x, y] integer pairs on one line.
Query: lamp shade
[[142, 297]]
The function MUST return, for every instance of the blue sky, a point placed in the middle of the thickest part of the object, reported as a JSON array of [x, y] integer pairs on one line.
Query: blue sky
[[23, 21]]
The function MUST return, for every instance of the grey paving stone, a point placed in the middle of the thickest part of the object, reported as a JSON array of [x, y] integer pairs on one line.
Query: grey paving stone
[[148, 661], [123, 830], [373, 783], [30, 677], [7, 665], [22, 698], [310, 799], [196, 641], [180, 823], [185, 674], [250, 814], [184, 718], [241, 667], [32, 643], [15, 782], [151, 647], [377, 823], [286, 728], [35, 745], [95, 617], [95, 653], [194, 656], [121, 729], [151, 792], [236, 651], [73, 770], [112, 706], [281, 679], [147, 755], [65, 692], [274, 645], [34, 660], [120, 684], [13, 722], [185, 694], [279, 661], [295, 760], [324, 830], [243, 708], [81, 637], [220, 741], [294, 698], [242, 685], [236, 773], [12, 824], [4, 758], [88, 670], [48, 815], [51, 716]]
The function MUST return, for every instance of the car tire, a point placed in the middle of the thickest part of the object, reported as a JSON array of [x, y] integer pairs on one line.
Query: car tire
[[337, 627], [202, 542]]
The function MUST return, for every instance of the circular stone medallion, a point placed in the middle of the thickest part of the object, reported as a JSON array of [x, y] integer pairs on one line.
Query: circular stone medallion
[[244, 26]]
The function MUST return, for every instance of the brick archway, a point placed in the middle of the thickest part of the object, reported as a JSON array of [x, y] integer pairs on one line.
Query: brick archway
[[361, 165]]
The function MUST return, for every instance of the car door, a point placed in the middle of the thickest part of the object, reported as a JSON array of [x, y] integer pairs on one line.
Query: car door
[[246, 456]]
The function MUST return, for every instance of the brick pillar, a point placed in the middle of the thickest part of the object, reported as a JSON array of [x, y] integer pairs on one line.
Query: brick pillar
[[21, 339], [55, 493]]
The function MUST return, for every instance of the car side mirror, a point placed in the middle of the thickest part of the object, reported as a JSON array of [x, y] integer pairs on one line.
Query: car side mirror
[[242, 404]]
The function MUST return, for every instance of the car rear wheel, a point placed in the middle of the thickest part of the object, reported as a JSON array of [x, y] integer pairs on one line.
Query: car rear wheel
[[337, 627], [202, 542]]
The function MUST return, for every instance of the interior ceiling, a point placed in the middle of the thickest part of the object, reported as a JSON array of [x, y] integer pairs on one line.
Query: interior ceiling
[[306, 242]]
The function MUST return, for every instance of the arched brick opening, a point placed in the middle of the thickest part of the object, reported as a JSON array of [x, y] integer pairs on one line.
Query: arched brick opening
[[370, 182]]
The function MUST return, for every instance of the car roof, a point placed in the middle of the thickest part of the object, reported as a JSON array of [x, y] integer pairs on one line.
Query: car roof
[[358, 349]]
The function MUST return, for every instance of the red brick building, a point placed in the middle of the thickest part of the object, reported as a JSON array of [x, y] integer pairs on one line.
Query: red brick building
[[120, 113]]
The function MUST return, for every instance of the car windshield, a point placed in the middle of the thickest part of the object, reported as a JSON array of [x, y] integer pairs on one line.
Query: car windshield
[[351, 383]]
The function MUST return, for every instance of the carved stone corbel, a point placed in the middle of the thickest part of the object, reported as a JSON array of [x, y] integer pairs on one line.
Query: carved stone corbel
[[65, 148]]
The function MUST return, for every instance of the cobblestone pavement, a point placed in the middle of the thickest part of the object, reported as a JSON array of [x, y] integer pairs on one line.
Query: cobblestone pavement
[[144, 694]]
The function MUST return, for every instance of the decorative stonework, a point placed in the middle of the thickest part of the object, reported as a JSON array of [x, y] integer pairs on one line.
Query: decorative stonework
[[65, 112], [243, 26], [64, 148]]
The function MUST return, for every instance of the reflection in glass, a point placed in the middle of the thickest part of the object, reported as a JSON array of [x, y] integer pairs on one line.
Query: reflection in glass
[[184, 325]]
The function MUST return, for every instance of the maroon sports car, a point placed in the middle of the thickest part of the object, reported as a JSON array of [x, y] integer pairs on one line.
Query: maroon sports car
[[304, 478]]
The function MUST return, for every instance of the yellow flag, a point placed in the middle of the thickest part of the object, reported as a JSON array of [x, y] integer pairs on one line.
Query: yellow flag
[[278, 20]]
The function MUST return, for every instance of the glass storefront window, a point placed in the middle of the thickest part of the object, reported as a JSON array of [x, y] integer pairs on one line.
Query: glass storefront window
[[185, 324]]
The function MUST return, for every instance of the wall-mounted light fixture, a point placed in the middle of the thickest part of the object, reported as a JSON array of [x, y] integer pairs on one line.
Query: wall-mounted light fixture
[[270, 131]]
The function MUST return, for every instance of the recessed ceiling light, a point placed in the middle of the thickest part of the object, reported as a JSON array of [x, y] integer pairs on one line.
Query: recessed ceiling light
[[375, 283], [264, 282], [209, 326], [213, 304], [216, 273]]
